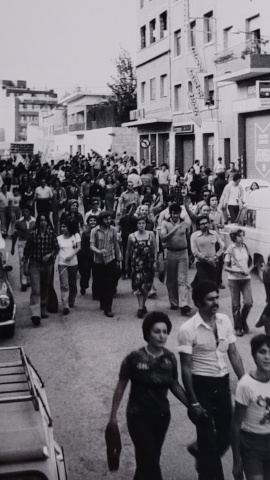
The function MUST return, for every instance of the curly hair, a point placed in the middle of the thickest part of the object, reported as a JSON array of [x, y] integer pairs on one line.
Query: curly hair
[[151, 319]]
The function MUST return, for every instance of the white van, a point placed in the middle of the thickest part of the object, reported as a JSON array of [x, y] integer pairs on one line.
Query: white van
[[254, 219]]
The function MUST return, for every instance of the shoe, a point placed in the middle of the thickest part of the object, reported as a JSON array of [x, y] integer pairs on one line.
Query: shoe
[[44, 315], [144, 309], [239, 332], [24, 287], [185, 310], [36, 320], [71, 305], [66, 311], [83, 291], [152, 295], [140, 313], [174, 307], [109, 314], [221, 286]]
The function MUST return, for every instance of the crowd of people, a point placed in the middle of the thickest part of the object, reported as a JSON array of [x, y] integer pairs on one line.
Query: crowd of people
[[111, 218]]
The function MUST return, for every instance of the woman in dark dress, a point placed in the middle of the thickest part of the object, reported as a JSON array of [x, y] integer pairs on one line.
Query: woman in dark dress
[[152, 371]]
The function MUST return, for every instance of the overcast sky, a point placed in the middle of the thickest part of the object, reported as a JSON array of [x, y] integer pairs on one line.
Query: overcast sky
[[63, 43]]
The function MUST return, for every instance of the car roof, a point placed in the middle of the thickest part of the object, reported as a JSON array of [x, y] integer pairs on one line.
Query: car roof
[[259, 198], [246, 182]]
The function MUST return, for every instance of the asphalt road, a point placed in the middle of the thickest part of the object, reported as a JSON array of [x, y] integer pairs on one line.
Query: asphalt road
[[78, 357]]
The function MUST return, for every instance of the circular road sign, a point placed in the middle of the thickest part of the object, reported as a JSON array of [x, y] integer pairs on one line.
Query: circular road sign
[[145, 143]]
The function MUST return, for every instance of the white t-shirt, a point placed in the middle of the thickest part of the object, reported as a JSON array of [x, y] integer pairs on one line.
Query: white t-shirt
[[67, 246], [255, 396]]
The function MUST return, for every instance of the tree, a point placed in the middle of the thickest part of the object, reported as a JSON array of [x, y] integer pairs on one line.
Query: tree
[[123, 86]]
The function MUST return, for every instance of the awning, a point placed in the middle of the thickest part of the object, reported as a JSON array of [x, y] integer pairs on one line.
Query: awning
[[146, 121]]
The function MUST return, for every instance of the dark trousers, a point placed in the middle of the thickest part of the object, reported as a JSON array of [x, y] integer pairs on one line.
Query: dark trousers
[[85, 265], [238, 287], [205, 271], [105, 278], [213, 430], [148, 433], [233, 210], [124, 249]]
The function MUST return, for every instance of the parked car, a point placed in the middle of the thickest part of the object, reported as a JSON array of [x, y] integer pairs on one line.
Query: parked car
[[254, 219], [7, 303], [247, 182], [28, 448]]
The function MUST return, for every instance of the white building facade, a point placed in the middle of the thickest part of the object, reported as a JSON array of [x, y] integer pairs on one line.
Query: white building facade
[[203, 73]]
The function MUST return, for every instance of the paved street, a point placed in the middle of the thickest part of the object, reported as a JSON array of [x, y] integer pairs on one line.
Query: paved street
[[79, 357]]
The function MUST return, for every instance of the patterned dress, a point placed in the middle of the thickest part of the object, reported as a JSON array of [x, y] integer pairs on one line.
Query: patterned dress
[[142, 270]]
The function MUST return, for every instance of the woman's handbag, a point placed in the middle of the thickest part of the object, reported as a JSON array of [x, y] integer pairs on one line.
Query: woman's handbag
[[161, 267], [114, 446]]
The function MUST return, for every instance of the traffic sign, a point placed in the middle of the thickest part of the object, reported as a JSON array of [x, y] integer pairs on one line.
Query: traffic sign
[[145, 143]]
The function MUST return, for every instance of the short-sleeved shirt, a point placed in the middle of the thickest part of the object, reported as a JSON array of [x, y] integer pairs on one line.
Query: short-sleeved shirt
[[197, 338], [66, 248], [238, 260], [150, 377], [255, 396]]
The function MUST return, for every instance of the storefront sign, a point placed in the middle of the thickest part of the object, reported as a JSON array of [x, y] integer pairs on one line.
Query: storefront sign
[[263, 93], [197, 59], [195, 108], [183, 129], [262, 149], [196, 83]]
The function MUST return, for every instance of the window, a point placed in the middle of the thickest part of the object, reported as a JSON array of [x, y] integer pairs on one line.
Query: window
[[190, 90], [242, 217], [152, 26], [163, 24], [143, 84], [193, 33], [209, 90], [177, 98], [226, 37], [152, 89], [163, 86], [177, 43], [143, 37], [208, 27], [251, 218], [141, 3]]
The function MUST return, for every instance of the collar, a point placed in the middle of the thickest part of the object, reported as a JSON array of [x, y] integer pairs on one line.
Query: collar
[[198, 320], [31, 219]]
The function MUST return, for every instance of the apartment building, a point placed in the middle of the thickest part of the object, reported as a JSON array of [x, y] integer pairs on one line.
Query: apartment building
[[203, 72], [21, 105]]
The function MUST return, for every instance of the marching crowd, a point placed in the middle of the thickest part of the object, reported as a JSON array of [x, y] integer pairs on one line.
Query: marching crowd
[[113, 218]]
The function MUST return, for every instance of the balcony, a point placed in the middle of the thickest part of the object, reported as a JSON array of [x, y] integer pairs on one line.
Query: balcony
[[76, 126], [60, 130], [243, 61]]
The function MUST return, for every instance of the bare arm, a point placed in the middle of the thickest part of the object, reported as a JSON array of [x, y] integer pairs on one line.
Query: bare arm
[[238, 417], [128, 250], [236, 360], [117, 397], [194, 405], [178, 391]]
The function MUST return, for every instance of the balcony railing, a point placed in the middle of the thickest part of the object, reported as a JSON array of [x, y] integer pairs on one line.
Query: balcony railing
[[76, 126], [60, 130], [244, 60]]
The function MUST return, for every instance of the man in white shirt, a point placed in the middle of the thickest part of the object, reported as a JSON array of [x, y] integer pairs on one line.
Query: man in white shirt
[[205, 340], [232, 197], [43, 198]]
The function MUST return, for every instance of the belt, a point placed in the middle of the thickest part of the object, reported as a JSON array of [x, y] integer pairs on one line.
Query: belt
[[178, 250]]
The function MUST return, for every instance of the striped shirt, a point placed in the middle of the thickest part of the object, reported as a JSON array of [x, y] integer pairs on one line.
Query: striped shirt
[[105, 239]]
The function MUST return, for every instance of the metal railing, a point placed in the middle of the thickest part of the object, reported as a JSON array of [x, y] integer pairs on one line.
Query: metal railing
[[243, 55]]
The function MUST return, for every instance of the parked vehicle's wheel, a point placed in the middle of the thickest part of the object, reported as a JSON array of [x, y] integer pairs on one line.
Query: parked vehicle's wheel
[[260, 265]]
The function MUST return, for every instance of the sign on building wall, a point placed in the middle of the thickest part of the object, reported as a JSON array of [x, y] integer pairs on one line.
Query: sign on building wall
[[197, 59], [23, 148], [182, 129], [196, 83], [263, 93], [195, 108], [262, 149]]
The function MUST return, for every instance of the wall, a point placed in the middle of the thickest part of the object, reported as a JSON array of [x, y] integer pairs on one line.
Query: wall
[[7, 117]]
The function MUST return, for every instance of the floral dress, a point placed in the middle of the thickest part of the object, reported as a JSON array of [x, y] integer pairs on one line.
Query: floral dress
[[142, 270]]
